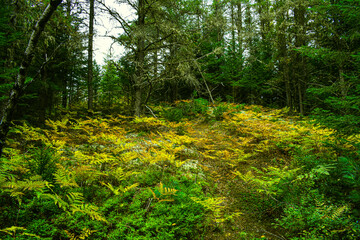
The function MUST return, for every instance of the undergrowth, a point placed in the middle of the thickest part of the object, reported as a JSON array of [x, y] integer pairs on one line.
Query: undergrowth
[[227, 172]]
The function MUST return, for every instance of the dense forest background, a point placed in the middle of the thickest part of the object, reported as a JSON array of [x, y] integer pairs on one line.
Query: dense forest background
[[303, 55], [223, 119]]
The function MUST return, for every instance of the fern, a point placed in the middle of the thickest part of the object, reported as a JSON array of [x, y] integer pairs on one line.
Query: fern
[[215, 205], [74, 203], [119, 190], [85, 233], [62, 204], [18, 189], [119, 174], [64, 177], [91, 210], [164, 194], [75, 198], [338, 212], [14, 230]]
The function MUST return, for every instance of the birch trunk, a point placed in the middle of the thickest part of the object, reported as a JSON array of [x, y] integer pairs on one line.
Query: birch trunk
[[19, 85]]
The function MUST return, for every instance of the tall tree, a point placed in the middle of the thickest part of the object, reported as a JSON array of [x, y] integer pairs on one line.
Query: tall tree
[[90, 57], [142, 38], [334, 57], [19, 85], [281, 57], [299, 60]]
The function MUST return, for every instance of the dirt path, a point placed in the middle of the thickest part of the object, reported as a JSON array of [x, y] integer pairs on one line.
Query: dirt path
[[221, 155]]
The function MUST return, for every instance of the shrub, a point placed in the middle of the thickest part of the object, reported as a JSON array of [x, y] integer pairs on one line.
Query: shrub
[[42, 161], [219, 111], [173, 114]]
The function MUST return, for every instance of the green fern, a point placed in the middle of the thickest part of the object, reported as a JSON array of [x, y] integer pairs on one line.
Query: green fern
[[65, 178], [91, 210], [119, 190], [83, 235], [14, 230], [215, 205], [18, 189], [164, 194], [338, 212]]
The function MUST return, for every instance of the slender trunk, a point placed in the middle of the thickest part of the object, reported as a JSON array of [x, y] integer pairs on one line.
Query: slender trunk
[[140, 60], [18, 88], [90, 57], [138, 102], [233, 40], [282, 48], [342, 82], [248, 28], [286, 79], [260, 9], [64, 99], [71, 87], [301, 102], [300, 68], [239, 25], [219, 17], [43, 96], [155, 57]]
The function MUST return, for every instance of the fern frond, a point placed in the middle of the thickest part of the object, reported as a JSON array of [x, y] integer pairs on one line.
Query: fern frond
[[111, 187], [338, 212], [14, 229], [165, 190], [64, 177], [215, 205], [88, 209], [57, 201], [86, 232], [120, 189], [165, 193], [75, 198], [130, 187]]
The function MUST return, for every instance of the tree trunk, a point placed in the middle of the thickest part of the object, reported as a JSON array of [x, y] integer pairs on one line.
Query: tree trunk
[[65, 94], [43, 96], [18, 88], [300, 68], [90, 57], [140, 59], [342, 82], [239, 25]]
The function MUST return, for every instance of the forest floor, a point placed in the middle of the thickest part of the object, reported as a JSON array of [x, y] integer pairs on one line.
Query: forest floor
[[225, 153], [204, 177], [238, 196]]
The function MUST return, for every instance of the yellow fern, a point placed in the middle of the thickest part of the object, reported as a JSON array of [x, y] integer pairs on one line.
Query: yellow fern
[[166, 194]]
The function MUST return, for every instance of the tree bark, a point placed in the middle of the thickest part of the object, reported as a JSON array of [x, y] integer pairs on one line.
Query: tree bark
[[300, 67], [90, 57], [140, 59], [66, 80], [342, 82], [239, 26], [18, 88]]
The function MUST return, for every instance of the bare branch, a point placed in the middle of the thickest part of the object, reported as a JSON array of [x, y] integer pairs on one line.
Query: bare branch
[[125, 26]]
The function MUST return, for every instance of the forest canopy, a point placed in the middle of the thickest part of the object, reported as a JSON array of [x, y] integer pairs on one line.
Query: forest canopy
[[299, 54]]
